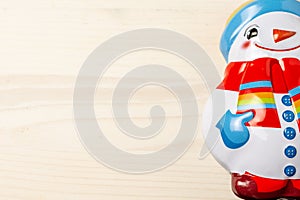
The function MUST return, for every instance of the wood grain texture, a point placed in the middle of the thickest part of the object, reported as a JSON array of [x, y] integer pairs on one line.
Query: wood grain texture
[[43, 44]]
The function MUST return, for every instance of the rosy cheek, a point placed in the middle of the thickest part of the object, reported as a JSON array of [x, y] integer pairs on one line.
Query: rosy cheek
[[246, 45]]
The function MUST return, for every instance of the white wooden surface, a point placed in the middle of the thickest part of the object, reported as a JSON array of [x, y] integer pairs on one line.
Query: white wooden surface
[[42, 46]]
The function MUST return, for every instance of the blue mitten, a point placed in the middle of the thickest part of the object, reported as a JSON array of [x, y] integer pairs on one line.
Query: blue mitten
[[234, 132]]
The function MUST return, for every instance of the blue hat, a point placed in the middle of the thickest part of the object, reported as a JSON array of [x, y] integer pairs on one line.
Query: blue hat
[[248, 12]]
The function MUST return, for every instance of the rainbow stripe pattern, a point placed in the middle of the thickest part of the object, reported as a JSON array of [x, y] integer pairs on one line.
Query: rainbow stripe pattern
[[295, 95], [252, 98]]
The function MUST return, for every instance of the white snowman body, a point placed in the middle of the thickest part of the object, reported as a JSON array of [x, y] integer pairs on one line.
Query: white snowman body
[[264, 153]]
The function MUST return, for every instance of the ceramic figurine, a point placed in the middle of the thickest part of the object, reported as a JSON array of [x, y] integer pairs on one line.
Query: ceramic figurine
[[258, 127]]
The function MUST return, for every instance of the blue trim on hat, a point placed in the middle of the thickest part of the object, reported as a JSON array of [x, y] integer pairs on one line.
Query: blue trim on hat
[[251, 11]]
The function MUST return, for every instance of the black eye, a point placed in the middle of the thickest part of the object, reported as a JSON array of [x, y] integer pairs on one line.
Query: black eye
[[251, 33]]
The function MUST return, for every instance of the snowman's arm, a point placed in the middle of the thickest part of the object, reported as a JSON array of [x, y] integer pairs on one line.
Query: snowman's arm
[[223, 100]]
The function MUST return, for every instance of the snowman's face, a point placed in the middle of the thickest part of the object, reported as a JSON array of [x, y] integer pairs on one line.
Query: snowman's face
[[275, 35]]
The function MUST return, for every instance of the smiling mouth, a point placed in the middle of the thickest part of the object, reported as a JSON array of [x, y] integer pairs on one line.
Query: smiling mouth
[[278, 50]]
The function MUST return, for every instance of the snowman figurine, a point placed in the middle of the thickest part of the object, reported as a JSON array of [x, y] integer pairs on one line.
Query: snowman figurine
[[258, 121]]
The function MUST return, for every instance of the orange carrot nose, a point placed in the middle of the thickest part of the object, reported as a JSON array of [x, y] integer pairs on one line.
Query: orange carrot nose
[[280, 35]]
